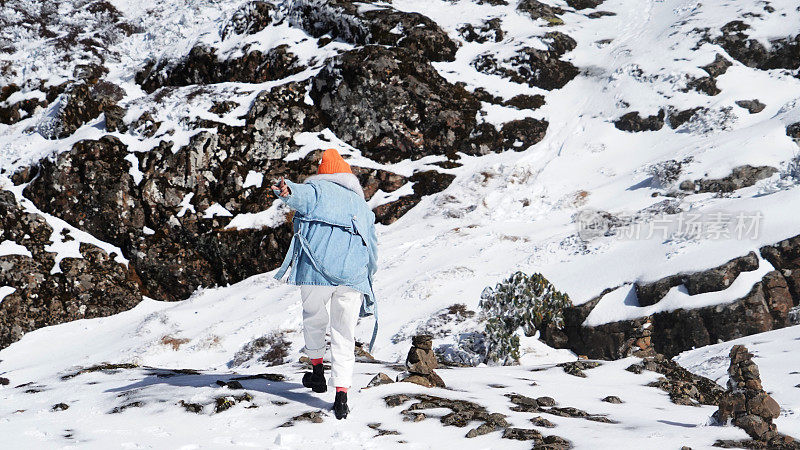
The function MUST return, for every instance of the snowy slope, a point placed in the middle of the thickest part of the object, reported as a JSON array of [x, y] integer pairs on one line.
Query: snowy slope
[[46, 360], [504, 212]]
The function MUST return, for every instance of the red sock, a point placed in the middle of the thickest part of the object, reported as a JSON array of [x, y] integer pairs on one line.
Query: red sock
[[316, 361], [341, 389]]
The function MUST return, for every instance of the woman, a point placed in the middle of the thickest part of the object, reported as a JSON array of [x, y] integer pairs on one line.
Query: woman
[[333, 256]]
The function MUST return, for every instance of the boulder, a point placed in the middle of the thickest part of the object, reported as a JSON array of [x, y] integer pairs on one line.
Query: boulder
[[717, 67], [720, 277], [584, 4], [533, 66], [740, 177], [425, 183], [752, 106], [767, 306], [793, 131], [379, 379], [393, 105], [374, 24], [785, 257], [782, 53], [80, 103], [538, 10], [634, 123]]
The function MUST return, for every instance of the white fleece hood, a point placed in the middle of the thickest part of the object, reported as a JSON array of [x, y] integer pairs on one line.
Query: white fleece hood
[[345, 180]]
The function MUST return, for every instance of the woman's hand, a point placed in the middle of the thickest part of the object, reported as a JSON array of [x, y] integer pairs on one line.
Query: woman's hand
[[281, 188]]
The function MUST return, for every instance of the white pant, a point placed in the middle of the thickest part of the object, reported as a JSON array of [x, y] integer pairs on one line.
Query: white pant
[[345, 304]]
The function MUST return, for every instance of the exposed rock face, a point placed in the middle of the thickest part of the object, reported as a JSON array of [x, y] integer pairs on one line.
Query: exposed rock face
[[535, 67], [393, 105], [425, 183], [740, 177], [421, 363], [187, 250], [782, 53], [767, 306], [382, 25], [745, 402], [250, 18], [94, 172], [92, 286], [80, 103], [203, 66], [635, 123], [785, 257], [711, 280]]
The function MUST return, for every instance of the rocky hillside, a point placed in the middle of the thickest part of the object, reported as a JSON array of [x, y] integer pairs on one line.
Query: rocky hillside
[[641, 155]]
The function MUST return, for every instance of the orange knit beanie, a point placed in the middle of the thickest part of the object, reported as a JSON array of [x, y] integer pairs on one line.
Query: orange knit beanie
[[332, 162]]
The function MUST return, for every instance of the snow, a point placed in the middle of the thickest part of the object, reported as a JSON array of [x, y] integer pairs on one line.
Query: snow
[[502, 213], [216, 210], [5, 291], [622, 304], [778, 363], [186, 204], [272, 217], [215, 323], [12, 248], [253, 179]]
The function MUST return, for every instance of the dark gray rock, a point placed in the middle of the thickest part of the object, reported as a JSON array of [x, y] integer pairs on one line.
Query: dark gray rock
[[584, 4], [250, 18], [740, 177], [532, 66], [677, 118], [490, 30], [634, 123], [793, 131], [393, 105], [381, 25], [93, 285], [752, 106], [80, 103], [203, 66], [717, 67], [721, 277], [539, 10], [782, 53]]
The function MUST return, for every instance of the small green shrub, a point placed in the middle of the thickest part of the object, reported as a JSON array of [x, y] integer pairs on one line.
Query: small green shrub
[[520, 301]]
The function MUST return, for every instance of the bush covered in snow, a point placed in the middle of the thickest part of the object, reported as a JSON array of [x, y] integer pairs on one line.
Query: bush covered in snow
[[529, 302], [468, 351]]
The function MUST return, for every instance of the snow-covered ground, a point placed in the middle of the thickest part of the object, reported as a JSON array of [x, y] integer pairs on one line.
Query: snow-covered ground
[[218, 322], [504, 212]]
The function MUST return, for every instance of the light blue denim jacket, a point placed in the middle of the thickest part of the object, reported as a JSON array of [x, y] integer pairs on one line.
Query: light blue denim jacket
[[334, 241]]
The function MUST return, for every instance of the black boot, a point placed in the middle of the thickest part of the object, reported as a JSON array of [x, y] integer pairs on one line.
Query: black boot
[[340, 409], [316, 380]]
